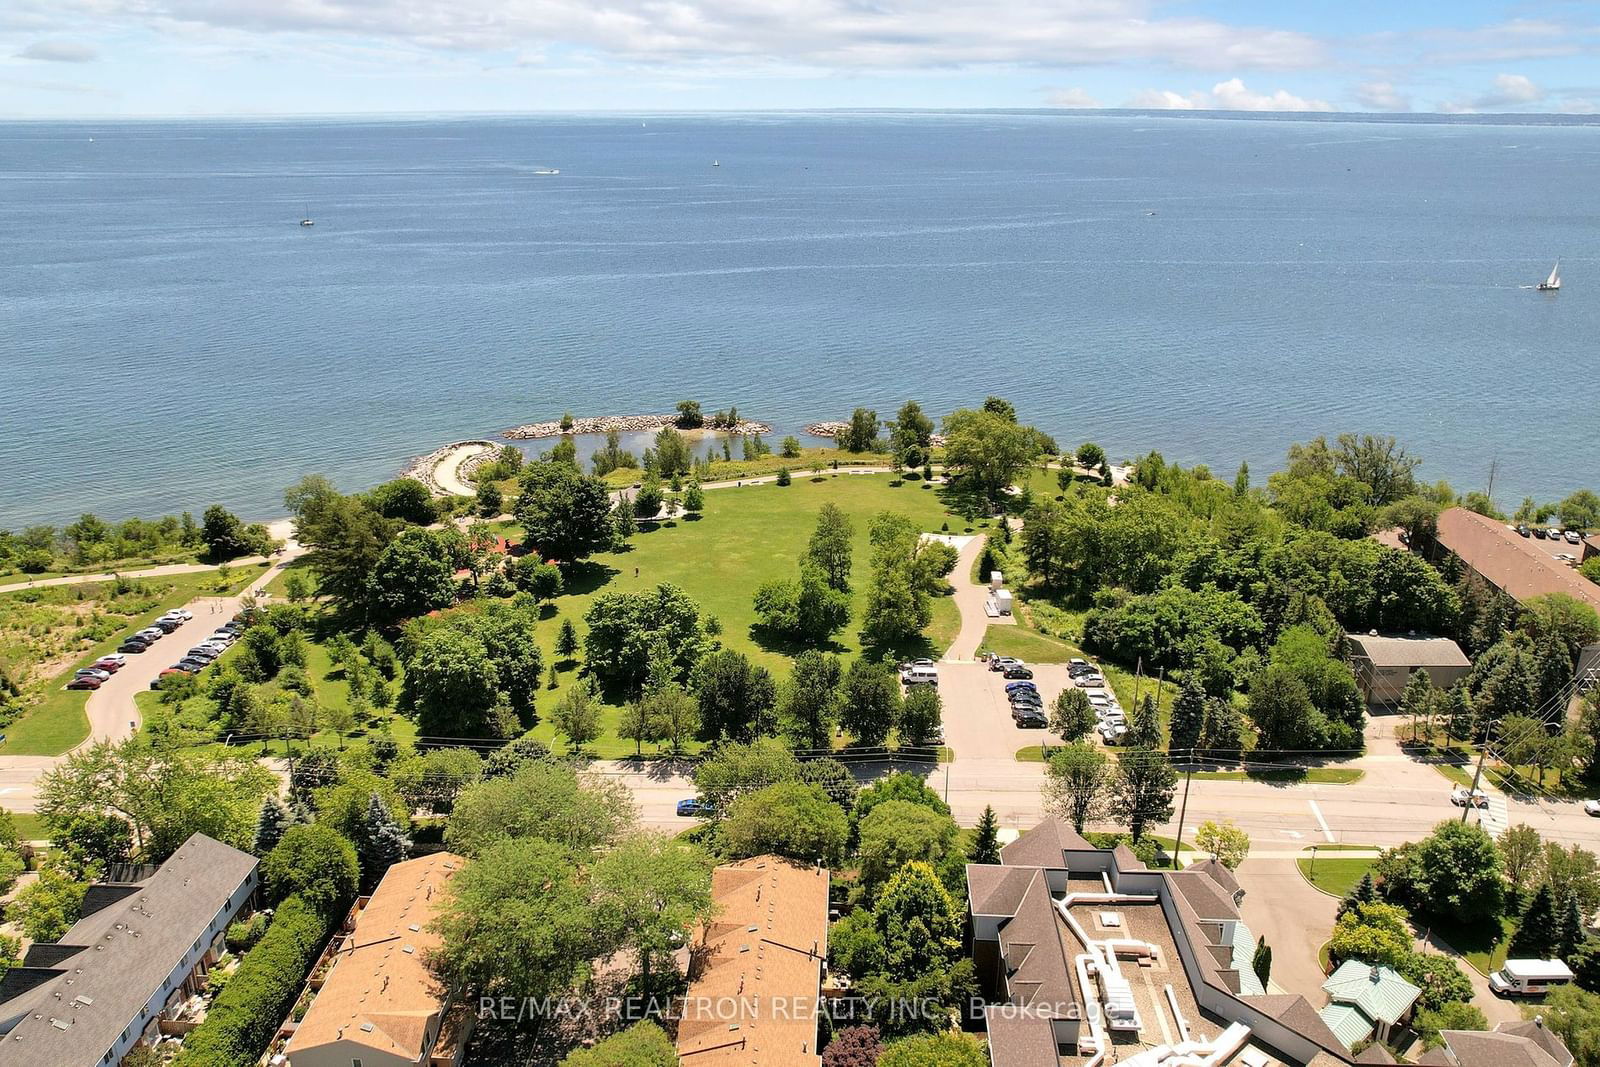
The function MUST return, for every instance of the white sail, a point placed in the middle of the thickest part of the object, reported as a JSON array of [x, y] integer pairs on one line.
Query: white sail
[[1554, 281]]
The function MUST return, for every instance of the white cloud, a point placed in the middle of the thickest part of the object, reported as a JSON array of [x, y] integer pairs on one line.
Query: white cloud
[[1230, 95], [1070, 98], [58, 52], [1509, 91], [1382, 96], [834, 34]]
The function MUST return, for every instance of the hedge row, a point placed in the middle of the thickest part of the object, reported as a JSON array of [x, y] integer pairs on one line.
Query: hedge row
[[247, 1012]]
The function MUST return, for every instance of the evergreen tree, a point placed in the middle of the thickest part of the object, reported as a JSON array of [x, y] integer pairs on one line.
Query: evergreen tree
[[381, 842], [623, 526], [986, 842], [1261, 962], [1363, 892], [1569, 928], [694, 499], [783, 476], [1241, 486], [1144, 726], [1535, 938], [1188, 715], [1417, 702], [567, 640], [274, 820]]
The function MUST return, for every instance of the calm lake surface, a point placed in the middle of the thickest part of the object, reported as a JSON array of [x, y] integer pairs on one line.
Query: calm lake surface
[[170, 337]]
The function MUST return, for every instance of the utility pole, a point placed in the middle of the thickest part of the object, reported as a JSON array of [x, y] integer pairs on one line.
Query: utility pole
[[1183, 810], [1477, 776]]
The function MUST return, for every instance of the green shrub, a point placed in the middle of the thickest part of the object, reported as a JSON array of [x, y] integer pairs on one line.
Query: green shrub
[[242, 936], [258, 995]]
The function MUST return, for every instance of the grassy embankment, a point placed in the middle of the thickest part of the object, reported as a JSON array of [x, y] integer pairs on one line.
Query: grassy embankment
[[10, 575], [46, 634], [745, 536]]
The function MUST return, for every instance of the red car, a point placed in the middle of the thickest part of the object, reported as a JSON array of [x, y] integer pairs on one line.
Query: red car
[[110, 665], [84, 681]]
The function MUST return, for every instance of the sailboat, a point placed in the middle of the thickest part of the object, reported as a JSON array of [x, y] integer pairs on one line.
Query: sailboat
[[1552, 283], [306, 219]]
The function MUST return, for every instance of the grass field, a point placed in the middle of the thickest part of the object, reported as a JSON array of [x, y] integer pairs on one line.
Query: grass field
[[1288, 775], [1334, 875], [30, 827], [10, 575], [55, 721]]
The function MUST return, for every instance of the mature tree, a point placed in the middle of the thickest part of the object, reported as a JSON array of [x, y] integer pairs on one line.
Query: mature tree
[[1429, 1023], [47, 907], [870, 707], [1439, 977], [1581, 510], [414, 574], [509, 636], [830, 547], [1363, 892], [1570, 932], [1076, 781], [1188, 718], [564, 515], [673, 715], [649, 891], [809, 707], [1090, 456], [1281, 709], [500, 939], [1141, 790], [897, 608], [405, 499], [694, 498], [911, 436], [1521, 854], [1573, 1015], [1535, 936], [542, 798], [733, 769], [1372, 933], [735, 696], [1564, 618], [789, 819], [577, 715], [921, 714], [1572, 871], [315, 863], [381, 842], [1227, 844], [431, 781], [807, 609], [1456, 872], [898, 832], [986, 840], [988, 449], [644, 1044], [624, 626], [270, 825], [228, 538], [935, 1050], [451, 687], [1418, 702], [345, 535], [1071, 715], [165, 793], [854, 1046], [861, 433]]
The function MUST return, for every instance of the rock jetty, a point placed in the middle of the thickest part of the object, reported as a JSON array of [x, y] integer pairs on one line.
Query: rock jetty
[[833, 429], [621, 423], [425, 468]]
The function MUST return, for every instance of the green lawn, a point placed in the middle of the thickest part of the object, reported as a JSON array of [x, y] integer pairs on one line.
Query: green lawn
[[29, 826], [56, 722], [10, 575], [1289, 775], [1481, 944], [1333, 875]]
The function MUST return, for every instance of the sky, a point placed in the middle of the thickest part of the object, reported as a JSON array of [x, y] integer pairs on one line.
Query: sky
[[97, 58]]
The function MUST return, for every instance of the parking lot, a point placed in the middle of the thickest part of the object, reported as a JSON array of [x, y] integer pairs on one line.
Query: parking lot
[[977, 717]]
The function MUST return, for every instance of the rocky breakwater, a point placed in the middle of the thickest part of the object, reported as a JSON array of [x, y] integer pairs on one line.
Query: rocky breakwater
[[463, 455], [832, 430], [622, 424]]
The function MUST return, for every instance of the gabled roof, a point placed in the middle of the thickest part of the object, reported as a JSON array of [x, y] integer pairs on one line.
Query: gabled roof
[[1348, 1023], [760, 958], [1206, 897], [1218, 872], [1296, 1012], [993, 890], [1378, 992], [1043, 846], [1536, 1031], [1374, 1054], [1409, 650], [87, 988], [1474, 1048], [1037, 973], [1507, 561], [380, 994], [1126, 860]]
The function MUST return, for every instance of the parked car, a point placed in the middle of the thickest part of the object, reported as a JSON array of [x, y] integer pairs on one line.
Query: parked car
[[1031, 696], [1555, 533], [1462, 797], [1574, 537], [116, 657], [1000, 663], [110, 664], [84, 681], [193, 666], [1522, 529], [183, 613], [1012, 687], [153, 633], [693, 808], [1029, 718], [202, 655], [233, 625], [920, 676], [1089, 681], [1591, 807], [1538, 531], [1111, 732], [222, 637], [1018, 672], [91, 672], [133, 646], [166, 625]]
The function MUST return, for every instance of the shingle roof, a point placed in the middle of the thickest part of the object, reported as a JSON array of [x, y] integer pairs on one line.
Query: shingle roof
[[1043, 846], [125, 953], [1019, 1039], [1206, 897], [1374, 1053], [1504, 558], [1296, 1012], [993, 890], [380, 994], [1536, 1031], [1037, 972], [1473, 1048], [762, 954], [1218, 872], [1379, 992], [1407, 650]]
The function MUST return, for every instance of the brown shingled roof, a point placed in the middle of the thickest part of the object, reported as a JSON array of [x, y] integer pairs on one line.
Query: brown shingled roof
[[1043, 845], [1374, 1053], [1536, 1031], [1505, 559]]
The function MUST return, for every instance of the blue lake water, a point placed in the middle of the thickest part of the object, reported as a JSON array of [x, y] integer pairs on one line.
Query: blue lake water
[[170, 337]]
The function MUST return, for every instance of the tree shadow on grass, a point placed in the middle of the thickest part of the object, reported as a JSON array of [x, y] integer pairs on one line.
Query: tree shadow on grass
[[586, 577], [769, 641]]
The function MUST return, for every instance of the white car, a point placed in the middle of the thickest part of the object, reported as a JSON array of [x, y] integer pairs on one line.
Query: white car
[[1111, 732], [1574, 537], [1591, 807], [120, 657], [1462, 797], [1089, 681]]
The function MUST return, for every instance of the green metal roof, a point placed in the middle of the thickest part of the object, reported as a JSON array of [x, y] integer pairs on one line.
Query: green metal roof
[[1379, 992], [1244, 952], [1347, 1024]]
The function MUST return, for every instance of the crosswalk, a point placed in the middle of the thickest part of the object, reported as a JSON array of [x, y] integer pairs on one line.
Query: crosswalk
[[1495, 818]]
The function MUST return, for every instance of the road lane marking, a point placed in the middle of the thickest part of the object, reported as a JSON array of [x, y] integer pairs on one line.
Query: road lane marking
[[1320, 820]]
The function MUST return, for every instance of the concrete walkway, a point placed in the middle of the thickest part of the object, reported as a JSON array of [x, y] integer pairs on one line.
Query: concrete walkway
[[970, 598]]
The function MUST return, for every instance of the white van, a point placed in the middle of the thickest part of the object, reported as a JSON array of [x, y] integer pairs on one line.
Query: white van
[[1527, 978], [915, 675]]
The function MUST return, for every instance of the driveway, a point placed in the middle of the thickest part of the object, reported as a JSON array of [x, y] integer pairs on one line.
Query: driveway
[[1296, 919]]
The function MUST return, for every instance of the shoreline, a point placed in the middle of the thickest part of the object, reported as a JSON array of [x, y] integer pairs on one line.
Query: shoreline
[[534, 431]]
